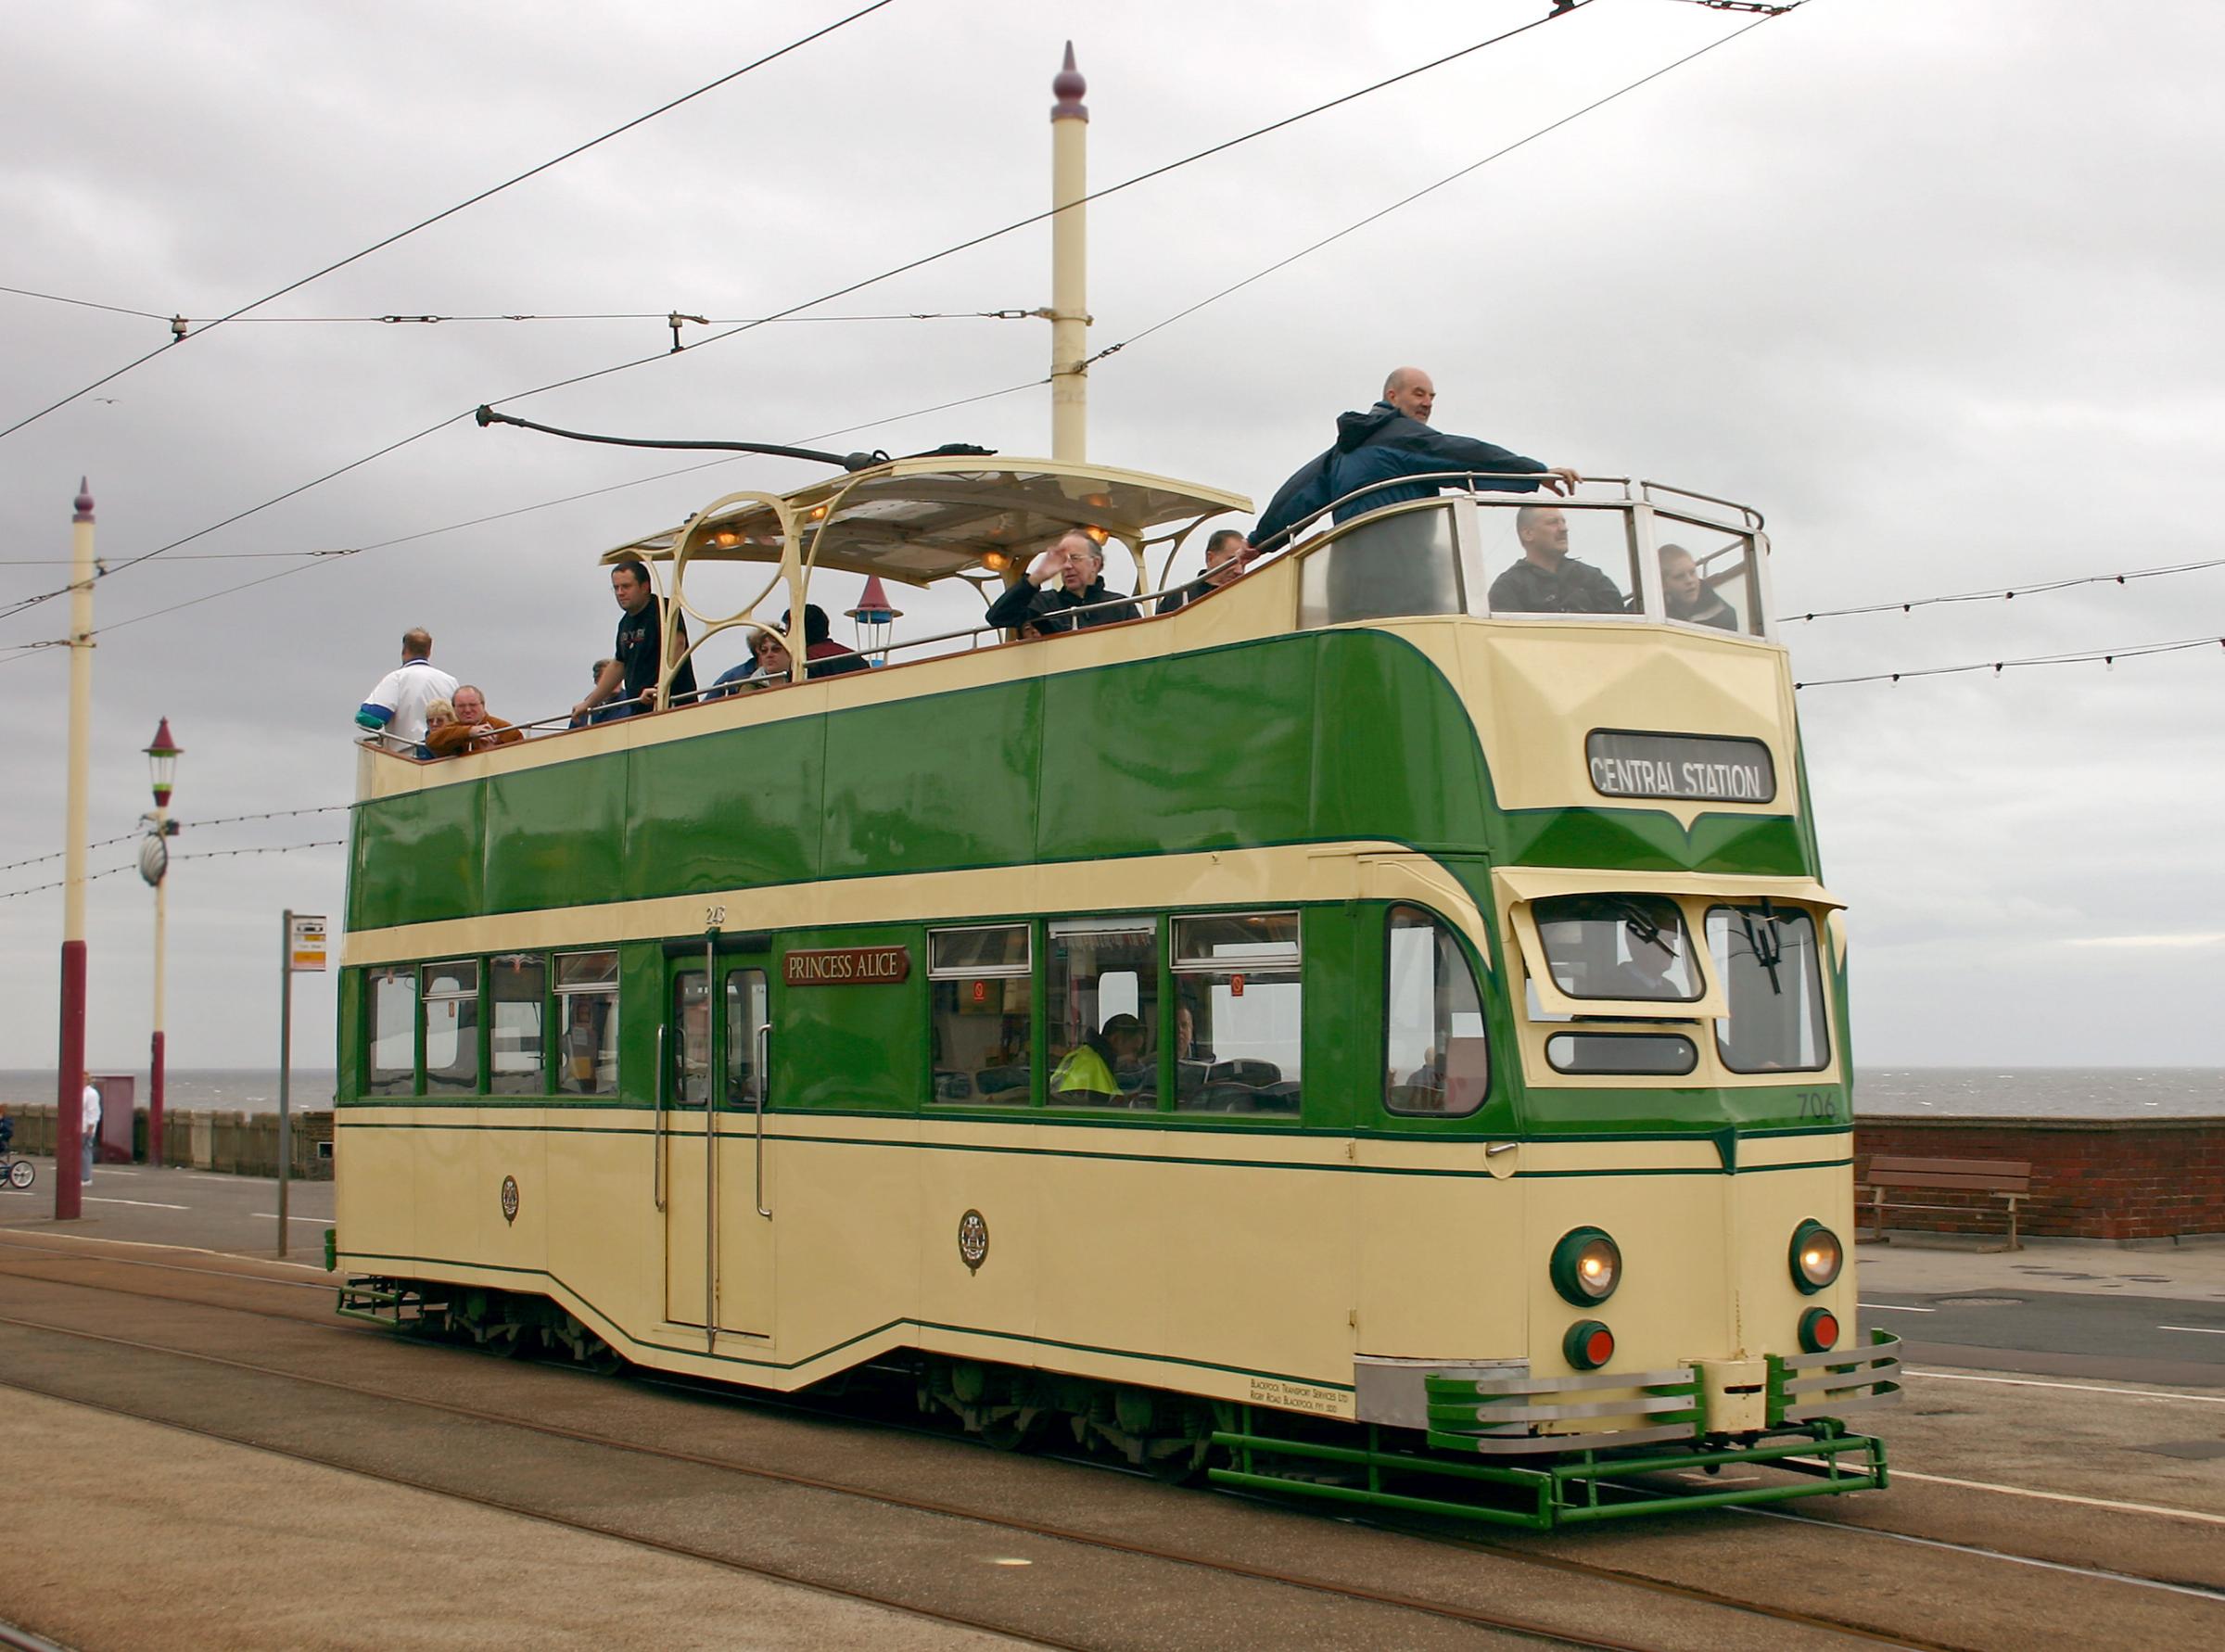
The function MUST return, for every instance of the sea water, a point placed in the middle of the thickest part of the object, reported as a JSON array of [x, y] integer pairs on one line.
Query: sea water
[[1898, 1092]]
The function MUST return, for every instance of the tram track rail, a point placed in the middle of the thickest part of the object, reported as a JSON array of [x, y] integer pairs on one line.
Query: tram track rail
[[1592, 1570]]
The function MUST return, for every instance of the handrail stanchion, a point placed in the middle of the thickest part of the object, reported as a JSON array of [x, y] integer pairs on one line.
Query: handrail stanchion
[[656, 1135]]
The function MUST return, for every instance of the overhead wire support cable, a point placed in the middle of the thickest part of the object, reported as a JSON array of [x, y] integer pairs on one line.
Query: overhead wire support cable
[[179, 334], [824, 298], [2106, 656], [1408, 200], [1034, 218], [2000, 593], [328, 842]]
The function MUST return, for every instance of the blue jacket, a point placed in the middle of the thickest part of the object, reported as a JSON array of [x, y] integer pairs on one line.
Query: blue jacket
[[1378, 445]]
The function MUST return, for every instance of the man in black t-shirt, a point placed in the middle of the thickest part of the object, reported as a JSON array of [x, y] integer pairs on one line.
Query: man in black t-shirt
[[631, 678]]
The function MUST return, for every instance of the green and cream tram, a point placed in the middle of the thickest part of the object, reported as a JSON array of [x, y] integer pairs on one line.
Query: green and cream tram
[[1468, 1127]]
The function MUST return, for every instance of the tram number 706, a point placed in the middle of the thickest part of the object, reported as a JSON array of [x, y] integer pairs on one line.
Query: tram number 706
[[1820, 1104]]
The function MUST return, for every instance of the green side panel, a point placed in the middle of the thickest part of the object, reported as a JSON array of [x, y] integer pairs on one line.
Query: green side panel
[[1199, 751], [640, 1009], [1320, 737], [418, 857], [1344, 1018], [726, 810], [349, 1037], [555, 837], [1611, 1112], [1644, 840], [853, 1047], [1396, 755], [947, 782]]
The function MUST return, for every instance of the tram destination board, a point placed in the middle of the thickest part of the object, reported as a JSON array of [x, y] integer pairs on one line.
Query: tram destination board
[[848, 966], [1701, 767]]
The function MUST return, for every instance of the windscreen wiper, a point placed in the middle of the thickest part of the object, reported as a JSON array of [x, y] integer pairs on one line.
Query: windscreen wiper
[[1768, 943]]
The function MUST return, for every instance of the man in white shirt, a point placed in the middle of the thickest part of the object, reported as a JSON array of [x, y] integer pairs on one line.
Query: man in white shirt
[[395, 709], [89, 1129]]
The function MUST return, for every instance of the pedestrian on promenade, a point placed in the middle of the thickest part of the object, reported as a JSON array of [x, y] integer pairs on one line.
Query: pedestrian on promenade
[[89, 1131]]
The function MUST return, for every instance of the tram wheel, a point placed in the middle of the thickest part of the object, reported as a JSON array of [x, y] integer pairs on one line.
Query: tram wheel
[[20, 1174]]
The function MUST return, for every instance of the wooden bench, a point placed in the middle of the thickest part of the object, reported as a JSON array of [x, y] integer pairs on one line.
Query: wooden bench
[[1890, 1174]]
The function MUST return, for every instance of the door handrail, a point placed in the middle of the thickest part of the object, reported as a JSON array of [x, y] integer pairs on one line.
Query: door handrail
[[764, 1083], [656, 1135]]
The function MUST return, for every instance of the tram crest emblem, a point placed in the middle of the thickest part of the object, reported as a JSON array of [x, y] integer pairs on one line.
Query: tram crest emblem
[[509, 1199], [973, 1240]]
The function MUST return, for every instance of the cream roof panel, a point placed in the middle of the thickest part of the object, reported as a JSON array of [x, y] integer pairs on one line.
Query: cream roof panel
[[918, 520]]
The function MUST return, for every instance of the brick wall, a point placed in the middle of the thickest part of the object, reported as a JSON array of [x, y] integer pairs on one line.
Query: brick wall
[[2091, 1178]]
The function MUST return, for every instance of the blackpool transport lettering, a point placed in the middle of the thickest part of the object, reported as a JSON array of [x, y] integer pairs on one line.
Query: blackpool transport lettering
[[848, 966]]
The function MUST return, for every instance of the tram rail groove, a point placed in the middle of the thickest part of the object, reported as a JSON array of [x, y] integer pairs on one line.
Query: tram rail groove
[[1445, 1609], [590, 1528], [1592, 1570]]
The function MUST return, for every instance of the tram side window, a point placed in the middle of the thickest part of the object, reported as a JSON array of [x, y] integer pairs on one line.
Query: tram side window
[[1400, 565], [1103, 986], [1237, 979], [1774, 984], [515, 1060], [587, 993], [1546, 558], [1437, 1058], [450, 996], [1617, 946], [981, 1014], [393, 1067], [1708, 576]]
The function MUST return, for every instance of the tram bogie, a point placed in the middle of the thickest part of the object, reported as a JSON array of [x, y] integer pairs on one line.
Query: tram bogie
[[1336, 1036]]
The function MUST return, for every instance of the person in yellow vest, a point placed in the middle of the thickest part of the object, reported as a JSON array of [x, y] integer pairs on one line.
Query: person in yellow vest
[[1087, 1073]]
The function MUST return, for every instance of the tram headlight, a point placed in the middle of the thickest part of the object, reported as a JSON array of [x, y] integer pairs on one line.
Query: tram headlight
[[1816, 1256], [1587, 1345], [1587, 1265]]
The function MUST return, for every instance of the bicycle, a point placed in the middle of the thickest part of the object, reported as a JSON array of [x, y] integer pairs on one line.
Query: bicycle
[[16, 1173]]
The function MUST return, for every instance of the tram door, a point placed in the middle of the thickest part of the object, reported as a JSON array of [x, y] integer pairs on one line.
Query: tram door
[[714, 1168]]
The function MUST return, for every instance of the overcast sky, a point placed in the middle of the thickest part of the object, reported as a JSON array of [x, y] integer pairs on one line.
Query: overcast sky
[[1931, 285]]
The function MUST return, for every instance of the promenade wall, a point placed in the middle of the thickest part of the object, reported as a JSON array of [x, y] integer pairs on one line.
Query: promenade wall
[[2120, 1179], [221, 1139]]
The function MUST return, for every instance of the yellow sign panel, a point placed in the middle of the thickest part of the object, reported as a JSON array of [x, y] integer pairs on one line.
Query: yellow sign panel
[[305, 943]]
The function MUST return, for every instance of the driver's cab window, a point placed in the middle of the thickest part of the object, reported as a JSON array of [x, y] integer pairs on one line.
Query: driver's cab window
[[1545, 558]]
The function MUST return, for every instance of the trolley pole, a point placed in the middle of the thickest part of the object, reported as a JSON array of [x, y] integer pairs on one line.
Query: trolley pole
[[70, 1097], [1069, 265]]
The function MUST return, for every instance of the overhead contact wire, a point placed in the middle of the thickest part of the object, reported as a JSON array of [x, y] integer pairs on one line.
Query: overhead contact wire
[[451, 211]]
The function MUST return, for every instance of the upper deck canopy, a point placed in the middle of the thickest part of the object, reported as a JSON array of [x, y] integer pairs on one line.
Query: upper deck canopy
[[918, 520]]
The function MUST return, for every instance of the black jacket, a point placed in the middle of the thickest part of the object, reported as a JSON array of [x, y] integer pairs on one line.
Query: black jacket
[[1375, 446], [1021, 602]]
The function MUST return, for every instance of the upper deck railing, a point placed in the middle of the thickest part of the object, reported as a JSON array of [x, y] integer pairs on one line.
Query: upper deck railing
[[1618, 551]]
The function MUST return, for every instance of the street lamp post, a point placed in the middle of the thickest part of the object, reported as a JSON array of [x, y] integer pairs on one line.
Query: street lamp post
[[70, 1064], [154, 864]]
